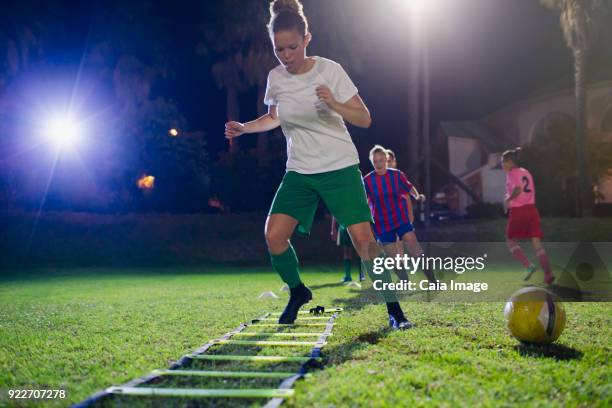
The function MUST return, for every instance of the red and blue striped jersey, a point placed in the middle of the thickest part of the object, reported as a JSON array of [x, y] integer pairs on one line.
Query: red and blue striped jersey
[[385, 193]]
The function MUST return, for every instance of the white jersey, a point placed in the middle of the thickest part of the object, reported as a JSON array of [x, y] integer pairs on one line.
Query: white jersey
[[317, 138]]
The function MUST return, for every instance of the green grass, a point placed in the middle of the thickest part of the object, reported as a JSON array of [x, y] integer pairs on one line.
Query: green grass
[[85, 329]]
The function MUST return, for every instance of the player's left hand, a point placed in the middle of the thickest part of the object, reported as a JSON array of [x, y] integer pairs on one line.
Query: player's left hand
[[421, 198], [325, 94]]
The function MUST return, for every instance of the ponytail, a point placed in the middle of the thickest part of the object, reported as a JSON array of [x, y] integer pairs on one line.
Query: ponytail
[[512, 154]]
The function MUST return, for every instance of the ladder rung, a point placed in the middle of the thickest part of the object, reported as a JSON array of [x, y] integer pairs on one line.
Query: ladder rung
[[279, 334], [199, 393], [267, 343], [290, 325], [299, 318], [334, 310], [232, 357], [228, 374]]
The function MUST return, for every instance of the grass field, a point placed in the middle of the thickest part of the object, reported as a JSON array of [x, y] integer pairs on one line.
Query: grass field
[[85, 329]]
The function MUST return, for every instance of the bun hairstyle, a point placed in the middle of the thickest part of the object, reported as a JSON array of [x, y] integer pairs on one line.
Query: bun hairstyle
[[287, 15], [512, 154], [378, 149]]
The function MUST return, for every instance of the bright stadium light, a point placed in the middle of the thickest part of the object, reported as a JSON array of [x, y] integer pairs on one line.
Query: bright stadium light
[[63, 131]]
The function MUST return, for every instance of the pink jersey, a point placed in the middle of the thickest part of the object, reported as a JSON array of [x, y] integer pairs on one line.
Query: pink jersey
[[520, 177]]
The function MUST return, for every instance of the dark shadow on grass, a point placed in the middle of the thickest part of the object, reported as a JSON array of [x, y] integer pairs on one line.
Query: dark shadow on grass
[[557, 351], [365, 297], [10, 274], [343, 352], [326, 285]]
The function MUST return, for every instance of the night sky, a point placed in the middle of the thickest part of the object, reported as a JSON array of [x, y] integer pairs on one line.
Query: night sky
[[483, 54]]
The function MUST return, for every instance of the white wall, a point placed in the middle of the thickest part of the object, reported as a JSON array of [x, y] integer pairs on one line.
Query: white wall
[[464, 155], [493, 185]]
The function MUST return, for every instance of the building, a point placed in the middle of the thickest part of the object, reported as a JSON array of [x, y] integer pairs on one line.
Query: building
[[475, 147]]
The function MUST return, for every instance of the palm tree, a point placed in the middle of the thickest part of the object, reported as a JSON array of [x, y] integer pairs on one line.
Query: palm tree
[[581, 21], [227, 76], [238, 43]]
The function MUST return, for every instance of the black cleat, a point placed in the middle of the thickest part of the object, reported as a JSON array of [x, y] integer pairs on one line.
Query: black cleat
[[300, 295], [400, 323], [397, 320]]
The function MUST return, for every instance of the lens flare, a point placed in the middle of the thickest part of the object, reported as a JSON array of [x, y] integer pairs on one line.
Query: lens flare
[[63, 131], [146, 182]]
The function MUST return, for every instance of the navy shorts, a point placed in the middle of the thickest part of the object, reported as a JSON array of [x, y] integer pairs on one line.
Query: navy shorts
[[389, 237]]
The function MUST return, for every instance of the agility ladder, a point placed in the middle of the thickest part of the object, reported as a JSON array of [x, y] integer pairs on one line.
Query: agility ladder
[[276, 395]]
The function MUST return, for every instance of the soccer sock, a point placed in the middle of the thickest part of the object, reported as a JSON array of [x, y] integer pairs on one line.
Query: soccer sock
[[519, 255], [428, 272], [388, 296], [360, 269], [347, 269], [395, 310], [544, 261], [402, 274], [286, 265]]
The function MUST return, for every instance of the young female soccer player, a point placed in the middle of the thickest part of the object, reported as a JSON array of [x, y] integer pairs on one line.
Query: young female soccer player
[[385, 188], [311, 98], [524, 219]]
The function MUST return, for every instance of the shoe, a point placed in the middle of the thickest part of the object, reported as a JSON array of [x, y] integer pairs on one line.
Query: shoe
[[361, 276], [400, 323], [397, 320], [299, 296], [347, 279], [530, 270]]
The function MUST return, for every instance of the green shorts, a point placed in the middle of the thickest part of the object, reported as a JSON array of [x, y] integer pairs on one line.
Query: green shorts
[[342, 191]]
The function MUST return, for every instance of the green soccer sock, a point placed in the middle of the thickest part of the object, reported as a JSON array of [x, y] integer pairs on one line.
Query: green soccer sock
[[286, 265], [347, 269], [386, 295]]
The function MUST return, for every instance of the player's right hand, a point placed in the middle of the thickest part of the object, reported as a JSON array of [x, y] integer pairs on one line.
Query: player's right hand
[[233, 129]]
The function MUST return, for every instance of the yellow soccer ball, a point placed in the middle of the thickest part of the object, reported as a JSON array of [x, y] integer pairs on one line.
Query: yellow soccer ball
[[534, 315]]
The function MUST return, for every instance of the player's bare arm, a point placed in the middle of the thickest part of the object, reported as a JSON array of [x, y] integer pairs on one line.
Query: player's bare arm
[[353, 111], [515, 193], [416, 195], [264, 123]]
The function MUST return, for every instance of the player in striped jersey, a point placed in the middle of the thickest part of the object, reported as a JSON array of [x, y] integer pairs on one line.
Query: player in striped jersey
[[392, 164], [523, 219], [385, 188]]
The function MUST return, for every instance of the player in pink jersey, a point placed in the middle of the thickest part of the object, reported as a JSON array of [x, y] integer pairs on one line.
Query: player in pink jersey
[[523, 219]]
